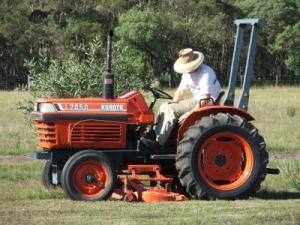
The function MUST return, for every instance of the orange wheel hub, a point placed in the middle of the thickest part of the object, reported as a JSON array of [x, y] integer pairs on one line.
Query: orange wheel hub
[[225, 161], [90, 178]]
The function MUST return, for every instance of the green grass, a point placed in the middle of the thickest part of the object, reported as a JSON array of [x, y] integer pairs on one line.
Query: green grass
[[22, 181], [189, 213], [16, 137], [277, 112], [24, 200]]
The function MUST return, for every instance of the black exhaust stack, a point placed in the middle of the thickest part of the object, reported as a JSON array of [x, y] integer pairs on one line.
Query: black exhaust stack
[[108, 79]]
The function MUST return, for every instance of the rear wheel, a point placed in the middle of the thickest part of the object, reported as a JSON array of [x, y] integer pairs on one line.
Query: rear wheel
[[89, 176], [222, 156]]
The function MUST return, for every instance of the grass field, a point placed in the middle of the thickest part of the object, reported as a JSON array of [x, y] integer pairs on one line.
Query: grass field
[[277, 113], [24, 200]]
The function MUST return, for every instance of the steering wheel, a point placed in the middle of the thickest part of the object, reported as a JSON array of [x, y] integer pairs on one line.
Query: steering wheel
[[157, 93]]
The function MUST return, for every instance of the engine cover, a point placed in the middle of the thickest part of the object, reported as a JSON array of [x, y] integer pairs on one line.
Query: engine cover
[[96, 123]]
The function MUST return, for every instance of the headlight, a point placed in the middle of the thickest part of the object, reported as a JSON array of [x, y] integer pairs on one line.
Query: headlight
[[47, 107]]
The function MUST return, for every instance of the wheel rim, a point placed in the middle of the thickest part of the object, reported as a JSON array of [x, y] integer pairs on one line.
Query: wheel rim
[[90, 178], [225, 161]]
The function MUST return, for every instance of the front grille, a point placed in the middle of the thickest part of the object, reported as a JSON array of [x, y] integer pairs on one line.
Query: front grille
[[46, 133], [98, 133]]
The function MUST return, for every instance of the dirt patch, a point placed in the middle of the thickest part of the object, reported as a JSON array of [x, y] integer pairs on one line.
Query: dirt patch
[[27, 159], [284, 155], [15, 159]]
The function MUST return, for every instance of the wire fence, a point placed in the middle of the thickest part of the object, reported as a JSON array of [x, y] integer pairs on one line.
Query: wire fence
[[24, 84]]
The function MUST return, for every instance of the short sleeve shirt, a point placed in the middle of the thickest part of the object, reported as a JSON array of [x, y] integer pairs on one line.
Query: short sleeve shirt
[[201, 82]]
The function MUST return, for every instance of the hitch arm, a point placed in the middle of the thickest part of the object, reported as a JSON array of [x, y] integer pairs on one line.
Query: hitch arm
[[241, 25]]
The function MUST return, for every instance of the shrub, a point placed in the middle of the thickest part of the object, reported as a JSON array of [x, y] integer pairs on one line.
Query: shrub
[[82, 77], [291, 168], [291, 111], [72, 77]]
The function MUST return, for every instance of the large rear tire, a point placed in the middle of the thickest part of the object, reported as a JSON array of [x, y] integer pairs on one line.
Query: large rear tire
[[221, 156], [89, 176]]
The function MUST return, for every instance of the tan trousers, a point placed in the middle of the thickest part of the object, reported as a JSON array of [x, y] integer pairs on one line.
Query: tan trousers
[[168, 115]]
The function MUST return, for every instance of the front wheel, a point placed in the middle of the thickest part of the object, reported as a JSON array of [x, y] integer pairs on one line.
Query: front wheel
[[221, 156], [47, 175], [88, 175]]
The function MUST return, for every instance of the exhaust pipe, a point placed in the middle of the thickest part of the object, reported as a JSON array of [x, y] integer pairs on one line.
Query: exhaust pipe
[[108, 78]]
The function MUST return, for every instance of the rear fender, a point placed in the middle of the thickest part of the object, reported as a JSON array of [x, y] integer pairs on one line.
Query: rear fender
[[209, 110]]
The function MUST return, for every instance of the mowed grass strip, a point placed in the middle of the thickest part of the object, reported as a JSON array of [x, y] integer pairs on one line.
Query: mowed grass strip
[[22, 181], [111, 212], [24, 200]]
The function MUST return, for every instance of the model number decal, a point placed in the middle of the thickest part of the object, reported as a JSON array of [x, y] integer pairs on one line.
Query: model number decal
[[73, 106], [93, 107], [79, 106]]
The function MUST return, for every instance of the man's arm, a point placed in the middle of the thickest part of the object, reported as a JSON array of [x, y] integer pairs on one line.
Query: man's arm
[[178, 96], [204, 100]]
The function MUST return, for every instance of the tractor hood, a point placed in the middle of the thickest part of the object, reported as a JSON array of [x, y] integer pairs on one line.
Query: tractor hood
[[130, 108]]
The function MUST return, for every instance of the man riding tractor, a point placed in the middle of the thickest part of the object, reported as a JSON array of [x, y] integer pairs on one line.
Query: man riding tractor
[[200, 80]]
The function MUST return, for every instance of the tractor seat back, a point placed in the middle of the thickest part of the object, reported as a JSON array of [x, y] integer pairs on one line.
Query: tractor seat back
[[218, 100]]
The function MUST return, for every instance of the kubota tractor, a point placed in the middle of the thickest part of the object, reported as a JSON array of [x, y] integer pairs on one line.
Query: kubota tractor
[[92, 145]]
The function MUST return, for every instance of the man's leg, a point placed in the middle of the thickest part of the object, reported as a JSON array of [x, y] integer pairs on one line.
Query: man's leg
[[168, 115]]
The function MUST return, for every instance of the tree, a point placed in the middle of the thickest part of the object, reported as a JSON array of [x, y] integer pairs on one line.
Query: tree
[[149, 32], [288, 43], [279, 14]]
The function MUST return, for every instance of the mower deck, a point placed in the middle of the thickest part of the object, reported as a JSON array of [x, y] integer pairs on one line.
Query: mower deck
[[145, 183]]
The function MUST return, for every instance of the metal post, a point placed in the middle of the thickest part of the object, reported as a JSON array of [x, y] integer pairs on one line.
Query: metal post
[[234, 65], [244, 98]]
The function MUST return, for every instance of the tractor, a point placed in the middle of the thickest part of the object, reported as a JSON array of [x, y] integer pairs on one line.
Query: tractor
[[93, 150]]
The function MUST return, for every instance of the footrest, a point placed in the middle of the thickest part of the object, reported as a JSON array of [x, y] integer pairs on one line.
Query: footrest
[[143, 168], [137, 170]]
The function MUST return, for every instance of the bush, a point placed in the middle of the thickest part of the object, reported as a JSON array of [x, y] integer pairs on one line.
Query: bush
[[82, 77], [291, 111], [291, 168], [72, 77], [26, 107]]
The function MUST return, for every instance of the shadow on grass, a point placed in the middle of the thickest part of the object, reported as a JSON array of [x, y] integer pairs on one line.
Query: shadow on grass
[[281, 195]]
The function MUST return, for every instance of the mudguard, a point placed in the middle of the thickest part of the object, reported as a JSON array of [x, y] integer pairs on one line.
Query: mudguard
[[209, 110]]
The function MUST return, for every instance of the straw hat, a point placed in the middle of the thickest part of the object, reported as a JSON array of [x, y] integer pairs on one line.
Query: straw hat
[[188, 60]]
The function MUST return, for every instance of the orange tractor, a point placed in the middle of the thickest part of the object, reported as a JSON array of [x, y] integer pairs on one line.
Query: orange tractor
[[93, 149]]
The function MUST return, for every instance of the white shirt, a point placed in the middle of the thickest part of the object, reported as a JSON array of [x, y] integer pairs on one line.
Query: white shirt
[[202, 82]]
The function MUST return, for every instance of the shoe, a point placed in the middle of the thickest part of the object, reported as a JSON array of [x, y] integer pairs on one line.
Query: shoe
[[150, 144]]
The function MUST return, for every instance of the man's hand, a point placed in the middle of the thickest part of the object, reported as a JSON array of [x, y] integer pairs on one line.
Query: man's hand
[[183, 117]]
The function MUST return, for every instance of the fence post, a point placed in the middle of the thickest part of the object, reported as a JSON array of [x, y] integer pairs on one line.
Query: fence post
[[28, 82]]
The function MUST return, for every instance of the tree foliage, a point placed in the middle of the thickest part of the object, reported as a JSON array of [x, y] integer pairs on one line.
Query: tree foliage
[[54, 37], [68, 78]]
